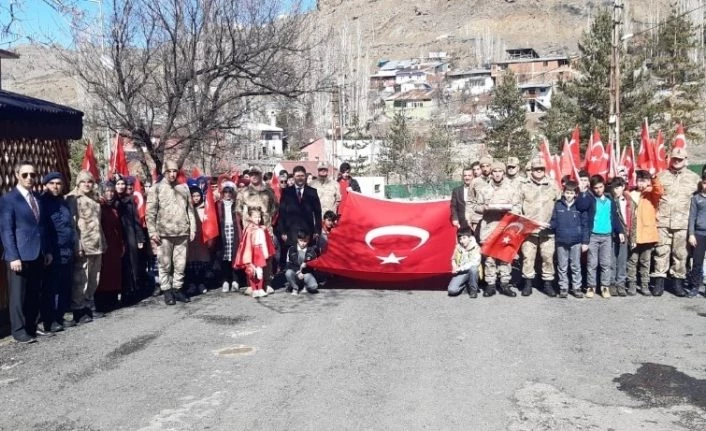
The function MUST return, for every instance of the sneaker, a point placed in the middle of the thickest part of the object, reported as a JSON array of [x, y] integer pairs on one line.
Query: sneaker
[[692, 293], [590, 291], [605, 292], [577, 293], [269, 290], [234, 286], [259, 293], [248, 291], [202, 288], [225, 287], [563, 293], [295, 292]]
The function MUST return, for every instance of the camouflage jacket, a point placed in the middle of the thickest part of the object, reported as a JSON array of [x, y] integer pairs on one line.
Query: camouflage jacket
[[169, 211], [673, 211], [251, 197], [502, 193], [329, 192], [86, 214], [537, 198], [476, 185]]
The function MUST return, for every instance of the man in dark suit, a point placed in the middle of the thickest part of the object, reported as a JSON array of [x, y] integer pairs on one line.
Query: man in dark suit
[[460, 196], [26, 251], [299, 209]]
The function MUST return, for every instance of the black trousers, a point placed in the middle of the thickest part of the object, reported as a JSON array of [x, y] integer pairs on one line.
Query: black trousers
[[24, 288], [696, 276], [56, 293]]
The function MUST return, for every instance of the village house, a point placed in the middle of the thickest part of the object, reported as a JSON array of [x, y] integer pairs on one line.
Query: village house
[[537, 97], [529, 67], [416, 104], [475, 82]]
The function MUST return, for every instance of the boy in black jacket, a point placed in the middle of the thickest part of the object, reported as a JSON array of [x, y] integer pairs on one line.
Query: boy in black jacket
[[571, 232], [297, 273]]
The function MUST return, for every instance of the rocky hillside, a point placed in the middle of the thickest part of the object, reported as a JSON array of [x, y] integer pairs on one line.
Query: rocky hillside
[[405, 28]]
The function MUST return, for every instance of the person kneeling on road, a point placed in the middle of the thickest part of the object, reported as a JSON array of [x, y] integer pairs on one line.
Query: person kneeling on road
[[464, 265], [298, 274]]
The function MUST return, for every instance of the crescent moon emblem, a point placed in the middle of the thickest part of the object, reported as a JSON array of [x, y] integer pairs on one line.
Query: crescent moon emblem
[[659, 153], [397, 230], [519, 227]]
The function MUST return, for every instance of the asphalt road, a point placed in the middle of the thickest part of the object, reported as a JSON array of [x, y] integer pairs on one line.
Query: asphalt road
[[367, 359]]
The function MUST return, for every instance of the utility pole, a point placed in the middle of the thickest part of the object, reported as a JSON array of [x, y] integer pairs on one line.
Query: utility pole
[[614, 108]]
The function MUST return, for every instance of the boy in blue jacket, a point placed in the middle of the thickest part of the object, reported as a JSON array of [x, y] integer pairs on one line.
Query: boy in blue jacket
[[606, 225], [571, 234]]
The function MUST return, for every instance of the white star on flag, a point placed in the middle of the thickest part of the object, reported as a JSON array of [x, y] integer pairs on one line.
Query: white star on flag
[[506, 240], [391, 259]]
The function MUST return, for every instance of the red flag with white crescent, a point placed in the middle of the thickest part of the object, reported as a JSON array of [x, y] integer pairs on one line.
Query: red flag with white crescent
[[566, 163], [628, 162], [646, 158], [89, 162], [575, 146], [546, 156], [209, 225], [381, 240], [680, 138], [505, 241], [118, 163], [138, 195], [596, 156], [660, 152]]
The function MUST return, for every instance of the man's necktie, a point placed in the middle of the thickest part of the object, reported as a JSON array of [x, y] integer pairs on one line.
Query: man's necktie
[[299, 193], [33, 205]]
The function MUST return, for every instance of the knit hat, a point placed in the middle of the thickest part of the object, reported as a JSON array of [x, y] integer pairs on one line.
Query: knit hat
[[228, 185], [51, 176], [497, 166], [107, 185], [130, 180], [486, 160], [84, 176]]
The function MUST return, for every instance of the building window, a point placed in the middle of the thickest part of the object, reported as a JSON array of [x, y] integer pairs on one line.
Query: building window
[[545, 63], [399, 104], [377, 188]]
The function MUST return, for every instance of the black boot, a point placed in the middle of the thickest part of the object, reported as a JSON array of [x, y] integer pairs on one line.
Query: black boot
[[679, 288], [77, 316], [527, 286], [489, 290], [169, 297], [549, 289], [157, 291], [658, 287], [179, 296], [472, 292], [506, 290]]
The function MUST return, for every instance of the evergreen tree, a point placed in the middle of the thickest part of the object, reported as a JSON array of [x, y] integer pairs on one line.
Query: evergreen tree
[[589, 92], [358, 140], [437, 161], [508, 135], [396, 149], [679, 78]]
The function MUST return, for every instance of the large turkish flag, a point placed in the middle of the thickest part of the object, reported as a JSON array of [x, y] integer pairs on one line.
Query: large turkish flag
[[507, 237], [380, 240]]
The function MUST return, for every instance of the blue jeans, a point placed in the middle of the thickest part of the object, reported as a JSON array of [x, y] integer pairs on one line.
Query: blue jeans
[[569, 257], [600, 254], [461, 279], [309, 280]]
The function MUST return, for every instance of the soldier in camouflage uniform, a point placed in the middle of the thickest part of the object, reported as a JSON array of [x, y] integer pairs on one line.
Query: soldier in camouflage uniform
[[512, 173], [672, 222], [257, 194], [477, 184], [537, 197], [492, 202], [171, 225], [329, 191]]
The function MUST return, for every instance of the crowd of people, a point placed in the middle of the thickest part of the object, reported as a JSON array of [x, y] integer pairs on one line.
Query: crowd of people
[[596, 236], [64, 252]]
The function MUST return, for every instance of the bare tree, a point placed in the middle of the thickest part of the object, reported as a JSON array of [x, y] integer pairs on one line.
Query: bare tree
[[185, 70], [11, 12]]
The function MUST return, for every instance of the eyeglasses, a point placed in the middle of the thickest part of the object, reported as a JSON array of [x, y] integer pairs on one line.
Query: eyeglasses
[[32, 175]]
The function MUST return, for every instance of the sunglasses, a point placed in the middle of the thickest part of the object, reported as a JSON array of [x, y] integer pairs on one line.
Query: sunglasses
[[32, 175]]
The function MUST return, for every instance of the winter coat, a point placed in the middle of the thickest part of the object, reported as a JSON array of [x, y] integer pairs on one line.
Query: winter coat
[[570, 225], [293, 261], [251, 197], [697, 215], [644, 226], [237, 231], [616, 226], [679, 186], [113, 271], [329, 193], [63, 232], [198, 250], [170, 212], [463, 259], [537, 198], [86, 213], [492, 194]]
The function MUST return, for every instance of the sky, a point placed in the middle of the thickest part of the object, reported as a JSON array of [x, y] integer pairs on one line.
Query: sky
[[39, 22]]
